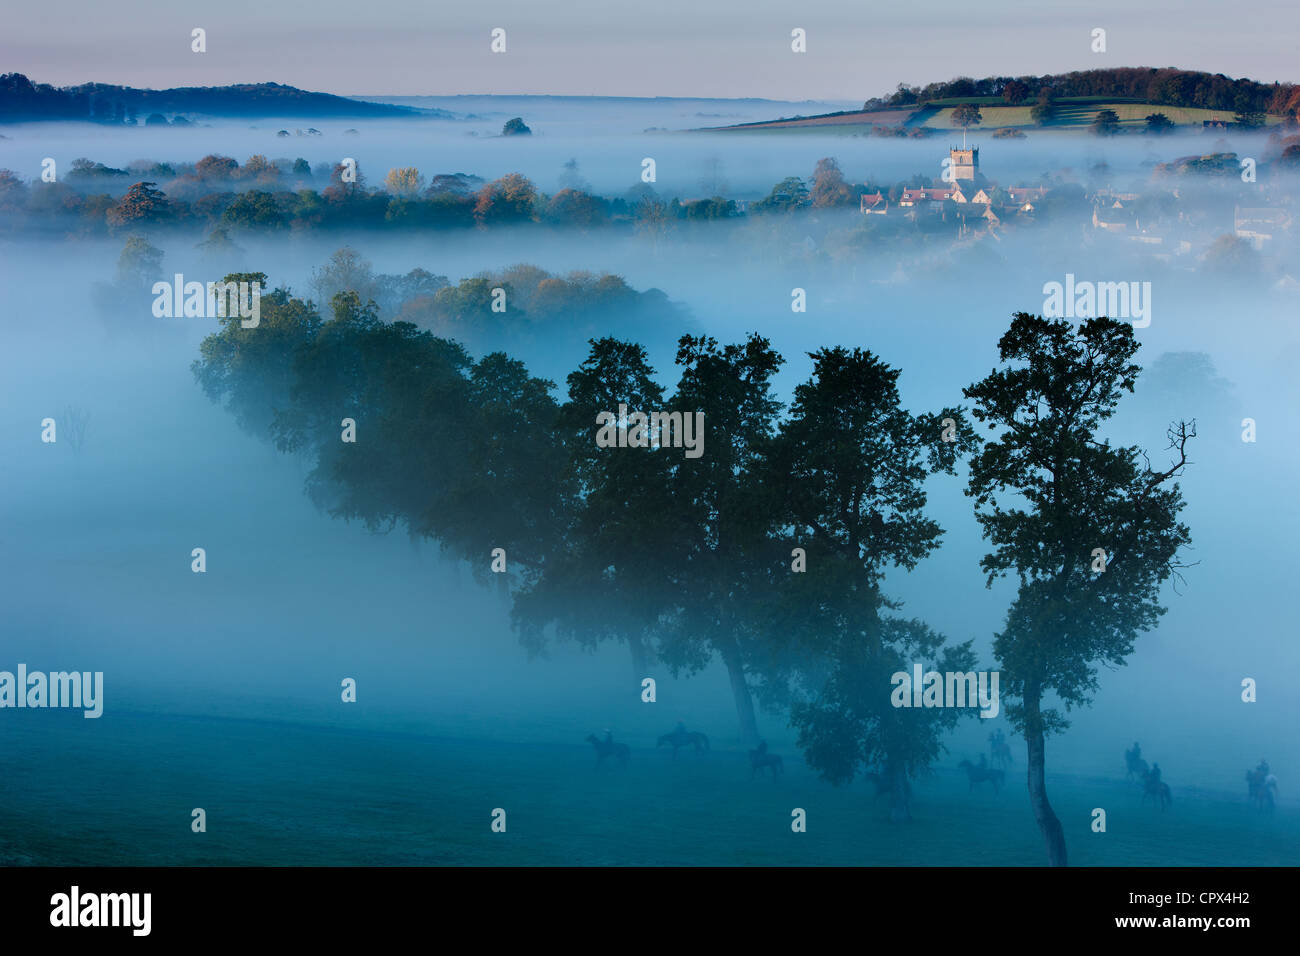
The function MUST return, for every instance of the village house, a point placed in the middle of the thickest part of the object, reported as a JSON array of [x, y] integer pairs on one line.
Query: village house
[[1114, 216], [1025, 198], [972, 218], [1173, 221], [1259, 225], [975, 195], [1025, 194], [873, 204], [919, 196]]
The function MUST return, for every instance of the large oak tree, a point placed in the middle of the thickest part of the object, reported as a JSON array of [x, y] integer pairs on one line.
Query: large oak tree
[[1050, 490]]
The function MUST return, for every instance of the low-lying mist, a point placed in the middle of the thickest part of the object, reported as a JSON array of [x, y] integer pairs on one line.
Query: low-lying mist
[[97, 538]]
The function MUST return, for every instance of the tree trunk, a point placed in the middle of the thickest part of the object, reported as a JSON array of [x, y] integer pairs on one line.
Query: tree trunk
[[900, 806], [1053, 833], [740, 691]]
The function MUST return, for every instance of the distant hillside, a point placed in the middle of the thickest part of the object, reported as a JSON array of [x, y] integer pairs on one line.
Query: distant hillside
[[21, 100], [1185, 97], [1167, 86], [846, 118], [1070, 113]]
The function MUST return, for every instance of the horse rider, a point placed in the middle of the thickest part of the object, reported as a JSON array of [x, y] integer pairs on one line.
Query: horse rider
[[1136, 751], [1262, 769], [680, 730], [609, 737], [1153, 780]]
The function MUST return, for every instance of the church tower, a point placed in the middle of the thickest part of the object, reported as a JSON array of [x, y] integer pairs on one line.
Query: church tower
[[964, 163]]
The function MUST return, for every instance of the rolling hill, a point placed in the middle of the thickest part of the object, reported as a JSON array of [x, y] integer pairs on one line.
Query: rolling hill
[[21, 100]]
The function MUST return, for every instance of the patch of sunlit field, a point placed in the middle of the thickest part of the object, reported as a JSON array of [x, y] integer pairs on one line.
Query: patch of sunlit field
[[991, 117], [295, 794], [1071, 114]]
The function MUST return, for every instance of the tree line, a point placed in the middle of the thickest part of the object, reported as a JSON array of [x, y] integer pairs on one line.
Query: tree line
[[769, 552], [23, 100], [290, 196], [1167, 87]]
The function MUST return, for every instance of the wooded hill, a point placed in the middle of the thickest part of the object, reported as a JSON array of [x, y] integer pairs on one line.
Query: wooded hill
[[1185, 97], [21, 100]]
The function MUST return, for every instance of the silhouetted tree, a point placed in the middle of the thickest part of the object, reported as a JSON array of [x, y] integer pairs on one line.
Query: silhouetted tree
[[726, 550], [251, 371], [1048, 490], [1044, 109], [604, 576], [1105, 123], [967, 115], [1159, 123], [848, 469]]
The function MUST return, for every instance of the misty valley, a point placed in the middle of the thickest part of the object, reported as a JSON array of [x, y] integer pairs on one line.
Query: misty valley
[[935, 490]]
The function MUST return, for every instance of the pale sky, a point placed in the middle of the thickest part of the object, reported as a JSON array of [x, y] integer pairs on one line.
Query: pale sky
[[722, 48]]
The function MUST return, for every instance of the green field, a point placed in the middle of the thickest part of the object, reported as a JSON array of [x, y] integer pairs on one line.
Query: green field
[[1073, 114], [993, 117], [294, 794]]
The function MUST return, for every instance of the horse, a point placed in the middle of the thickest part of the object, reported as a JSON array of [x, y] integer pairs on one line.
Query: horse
[[976, 775], [760, 758], [1136, 766], [1261, 789], [1159, 790], [1002, 755], [690, 738], [607, 748]]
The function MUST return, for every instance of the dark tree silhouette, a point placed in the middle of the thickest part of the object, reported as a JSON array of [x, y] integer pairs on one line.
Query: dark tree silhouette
[[1048, 490], [722, 555], [967, 115], [251, 371], [1105, 123], [1159, 123], [604, 574], [848, 469]]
